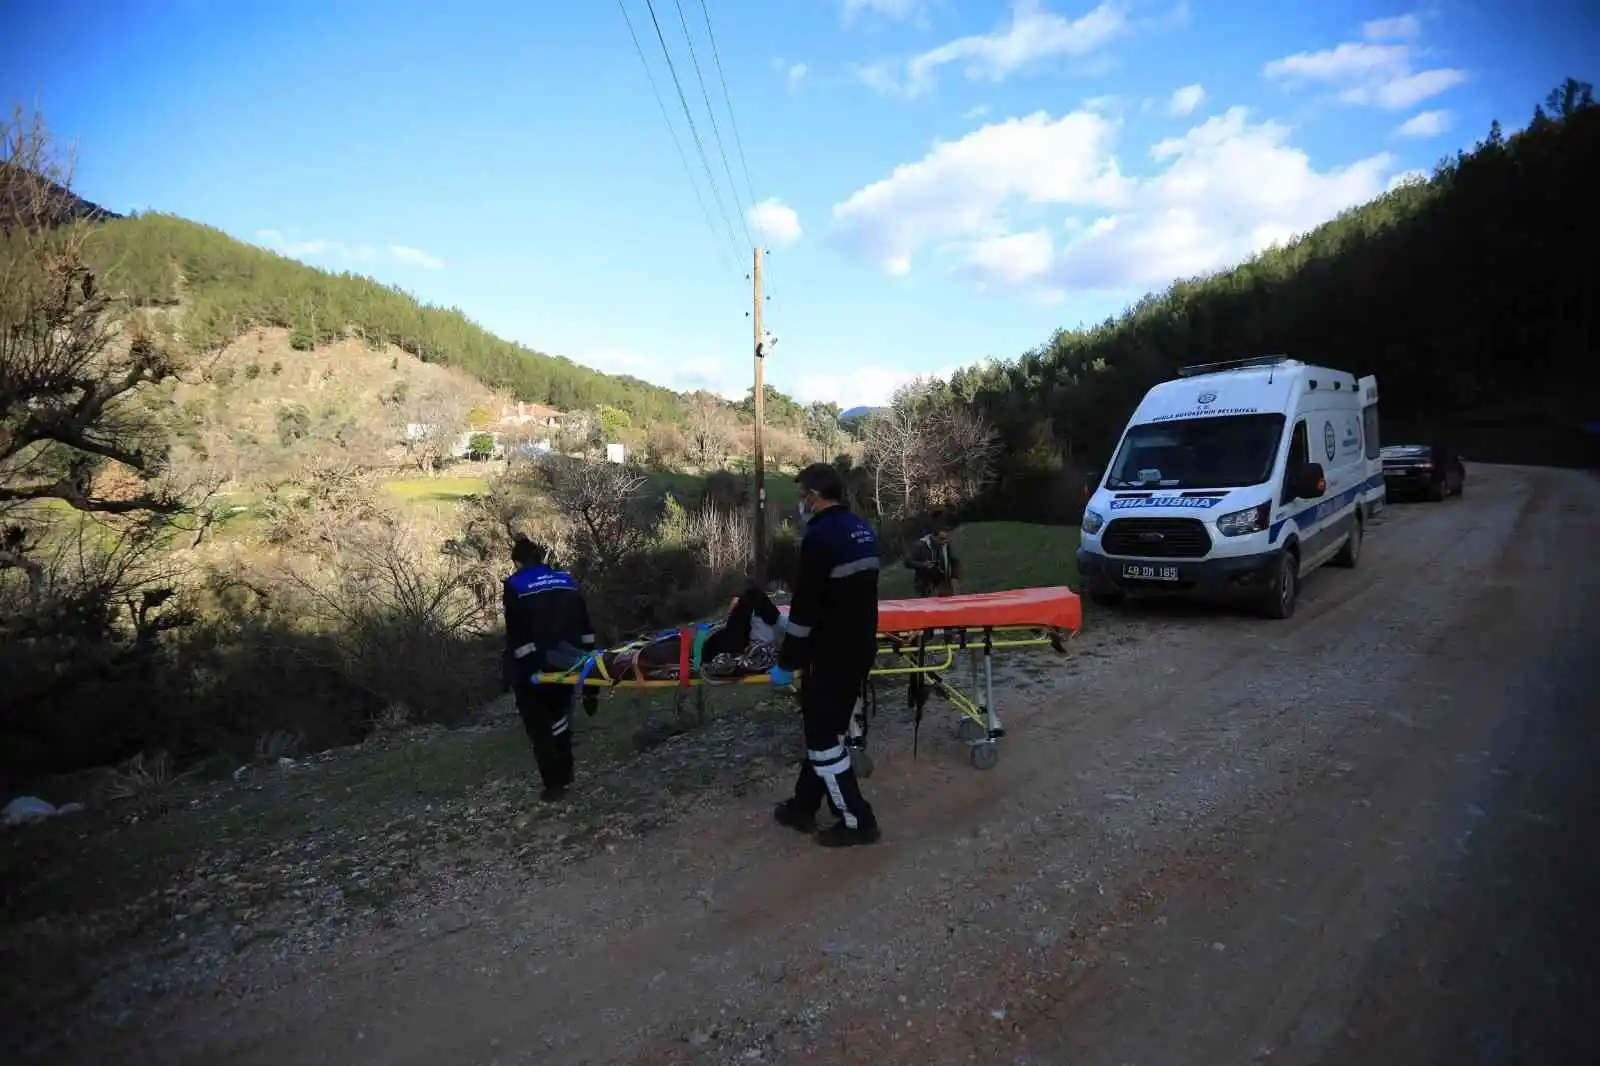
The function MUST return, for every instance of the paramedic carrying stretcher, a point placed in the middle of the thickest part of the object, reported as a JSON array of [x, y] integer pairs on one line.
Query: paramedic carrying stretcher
[[547, 628], [832, 634]]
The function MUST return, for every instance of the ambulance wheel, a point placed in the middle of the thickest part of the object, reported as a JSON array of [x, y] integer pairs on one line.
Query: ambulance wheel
[[1350, 554], [861, 762], [985, 755], [1285, 588], [967, 729]]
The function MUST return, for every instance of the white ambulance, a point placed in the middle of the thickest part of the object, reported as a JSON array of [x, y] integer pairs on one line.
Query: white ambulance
[[1234, 481]]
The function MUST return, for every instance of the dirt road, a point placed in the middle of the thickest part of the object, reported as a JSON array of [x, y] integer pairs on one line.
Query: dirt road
[[1350, 837]]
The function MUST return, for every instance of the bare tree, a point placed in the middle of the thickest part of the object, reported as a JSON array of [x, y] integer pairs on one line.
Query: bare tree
[[922, 453], [85, 593], [710, 433], [432, 422], [605, 509]]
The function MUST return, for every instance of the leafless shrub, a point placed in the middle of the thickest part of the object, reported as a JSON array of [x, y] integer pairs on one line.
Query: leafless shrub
[[604, 509], [143, 779], [405, 622], [277, 744], [723, 538]]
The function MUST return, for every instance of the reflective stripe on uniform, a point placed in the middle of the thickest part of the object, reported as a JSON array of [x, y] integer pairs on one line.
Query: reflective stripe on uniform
[[855, 566]]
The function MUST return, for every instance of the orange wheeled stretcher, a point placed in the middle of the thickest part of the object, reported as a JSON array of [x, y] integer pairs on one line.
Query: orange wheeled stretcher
[[919, 640]]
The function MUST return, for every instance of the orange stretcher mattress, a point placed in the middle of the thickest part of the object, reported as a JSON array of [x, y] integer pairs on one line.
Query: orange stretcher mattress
[[1057, 608]]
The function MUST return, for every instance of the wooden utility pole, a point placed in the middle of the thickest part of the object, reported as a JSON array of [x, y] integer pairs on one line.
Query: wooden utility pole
[[760, 416]]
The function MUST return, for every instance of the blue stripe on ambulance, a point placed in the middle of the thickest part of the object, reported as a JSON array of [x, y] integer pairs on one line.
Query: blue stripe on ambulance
[[1324, 508]]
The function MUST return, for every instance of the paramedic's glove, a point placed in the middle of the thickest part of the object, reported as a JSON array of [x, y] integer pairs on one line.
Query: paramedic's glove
[[780, 677], [591, 701]]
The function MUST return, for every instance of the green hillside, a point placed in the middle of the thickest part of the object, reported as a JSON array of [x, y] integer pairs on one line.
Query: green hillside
[[1471, 295], [226, 287]]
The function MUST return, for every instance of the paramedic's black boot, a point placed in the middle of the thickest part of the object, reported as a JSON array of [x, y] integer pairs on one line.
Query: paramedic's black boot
[[792, 817], [842, 836], [553, 794]]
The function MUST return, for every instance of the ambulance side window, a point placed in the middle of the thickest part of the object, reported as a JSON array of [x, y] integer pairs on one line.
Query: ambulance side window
[[1369, 419], [1299, 456]]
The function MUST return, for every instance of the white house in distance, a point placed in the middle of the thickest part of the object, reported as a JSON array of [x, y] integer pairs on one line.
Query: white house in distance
[[533, 425], [528, 414]]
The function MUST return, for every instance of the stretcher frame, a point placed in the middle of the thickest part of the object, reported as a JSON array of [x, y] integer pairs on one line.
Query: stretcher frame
[[901, 654]]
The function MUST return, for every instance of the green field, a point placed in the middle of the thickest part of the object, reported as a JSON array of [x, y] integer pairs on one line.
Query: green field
[[446, 489], [687, 487], [996, 556]]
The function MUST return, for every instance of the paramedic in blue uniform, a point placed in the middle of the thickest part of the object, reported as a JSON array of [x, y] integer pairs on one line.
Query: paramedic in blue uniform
[[832, 635], [547, 628]]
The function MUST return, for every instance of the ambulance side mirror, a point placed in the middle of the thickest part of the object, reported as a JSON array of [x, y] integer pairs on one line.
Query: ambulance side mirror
[[1091, 481], [1310, 482]]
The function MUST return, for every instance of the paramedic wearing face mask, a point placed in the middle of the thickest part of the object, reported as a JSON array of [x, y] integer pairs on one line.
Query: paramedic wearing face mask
[[832, 634]]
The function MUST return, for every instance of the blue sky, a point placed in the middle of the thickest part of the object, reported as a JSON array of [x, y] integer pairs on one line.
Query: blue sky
[[942, 180]]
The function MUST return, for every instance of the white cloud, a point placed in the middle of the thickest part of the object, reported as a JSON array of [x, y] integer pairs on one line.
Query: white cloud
[[795, 75], [414, 257], [1406, 177], [775, 220], [1185, 100], [725, 377], [900, 10], [1367, 72], [1032, 36], [1424, 124], [347, 254], [730, 378], [976, 112], [1398, 28], [987, 200], [870, 386], [959, 191], [1012, 259]]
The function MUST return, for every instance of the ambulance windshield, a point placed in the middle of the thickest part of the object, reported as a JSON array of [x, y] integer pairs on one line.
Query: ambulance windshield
[[1230, 451]]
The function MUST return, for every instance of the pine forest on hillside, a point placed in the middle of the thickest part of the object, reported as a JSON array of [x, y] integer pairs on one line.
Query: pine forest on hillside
[[226, 287]]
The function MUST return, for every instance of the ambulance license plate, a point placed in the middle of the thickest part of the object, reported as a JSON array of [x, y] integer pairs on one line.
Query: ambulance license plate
[[1140, 572]]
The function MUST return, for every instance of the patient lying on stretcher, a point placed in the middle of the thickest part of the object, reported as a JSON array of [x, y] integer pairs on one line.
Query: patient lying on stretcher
[[745, 643]]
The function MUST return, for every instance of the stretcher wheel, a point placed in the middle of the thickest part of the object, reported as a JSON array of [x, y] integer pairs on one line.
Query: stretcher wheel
[[967, 729], [861, 762], [985, 755]]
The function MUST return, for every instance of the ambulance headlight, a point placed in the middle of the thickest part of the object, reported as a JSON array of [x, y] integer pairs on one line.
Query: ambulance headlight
[[1249, 520], [1092, 520]]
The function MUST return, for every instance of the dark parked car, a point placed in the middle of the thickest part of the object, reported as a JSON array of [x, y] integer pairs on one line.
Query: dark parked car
[[1428, 471]]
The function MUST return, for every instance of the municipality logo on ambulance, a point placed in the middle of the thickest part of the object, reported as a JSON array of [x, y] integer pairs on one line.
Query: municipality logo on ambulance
[[1197, 503]]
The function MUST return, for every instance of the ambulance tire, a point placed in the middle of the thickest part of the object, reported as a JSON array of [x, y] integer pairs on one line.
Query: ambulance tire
[[1285, 589]]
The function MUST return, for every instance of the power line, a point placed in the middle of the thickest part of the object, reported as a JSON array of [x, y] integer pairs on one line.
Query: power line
[[683, 100], [683, 156], [727, 97], [733, 186]]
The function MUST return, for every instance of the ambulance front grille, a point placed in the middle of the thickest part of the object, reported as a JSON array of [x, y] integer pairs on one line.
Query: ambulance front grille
[[1157, 538]]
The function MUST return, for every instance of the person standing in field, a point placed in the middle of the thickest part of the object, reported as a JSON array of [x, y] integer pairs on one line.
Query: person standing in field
[[933, 563]]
